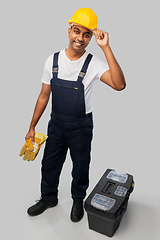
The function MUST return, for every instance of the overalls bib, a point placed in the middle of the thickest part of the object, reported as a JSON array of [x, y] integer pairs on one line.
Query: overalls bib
[[69, 127]]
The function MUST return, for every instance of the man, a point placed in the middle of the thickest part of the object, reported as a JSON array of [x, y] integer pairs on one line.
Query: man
[[71, 124]]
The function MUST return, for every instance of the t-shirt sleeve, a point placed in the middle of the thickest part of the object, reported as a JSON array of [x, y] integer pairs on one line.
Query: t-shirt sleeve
[[47, 72], [101, 67]]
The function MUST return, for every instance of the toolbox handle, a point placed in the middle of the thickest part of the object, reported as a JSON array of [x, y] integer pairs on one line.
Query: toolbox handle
[[108, 188], [121, 210]]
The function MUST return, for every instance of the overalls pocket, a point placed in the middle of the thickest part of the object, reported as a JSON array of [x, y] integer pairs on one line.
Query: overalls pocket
[[87, 127]]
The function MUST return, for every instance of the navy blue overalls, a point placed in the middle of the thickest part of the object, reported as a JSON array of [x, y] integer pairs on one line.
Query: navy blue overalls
[[69, 128]]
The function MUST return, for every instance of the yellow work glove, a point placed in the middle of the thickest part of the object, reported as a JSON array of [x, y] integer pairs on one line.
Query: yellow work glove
[[30, 150]]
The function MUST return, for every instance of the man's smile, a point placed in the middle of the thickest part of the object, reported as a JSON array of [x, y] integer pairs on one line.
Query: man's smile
[[78, 43]]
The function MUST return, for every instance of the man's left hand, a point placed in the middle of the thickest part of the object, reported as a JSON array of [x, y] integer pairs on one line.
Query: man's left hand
[[102, 37]]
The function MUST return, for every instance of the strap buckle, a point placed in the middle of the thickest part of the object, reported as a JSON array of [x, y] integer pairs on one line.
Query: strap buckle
[[82, 74], [55, 70]]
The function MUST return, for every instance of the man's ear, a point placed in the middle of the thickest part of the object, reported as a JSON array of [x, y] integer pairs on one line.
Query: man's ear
[[69, 31]]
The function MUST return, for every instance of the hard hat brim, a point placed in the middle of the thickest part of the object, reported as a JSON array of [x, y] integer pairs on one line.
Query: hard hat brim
[[74, 23]]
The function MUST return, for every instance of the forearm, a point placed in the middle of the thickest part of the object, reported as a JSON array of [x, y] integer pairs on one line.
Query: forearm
[[38, 111], [117, 76], [114, 77]]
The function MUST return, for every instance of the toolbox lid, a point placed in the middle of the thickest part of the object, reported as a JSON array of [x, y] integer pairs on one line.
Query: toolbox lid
[[102, 202], [119, 177]]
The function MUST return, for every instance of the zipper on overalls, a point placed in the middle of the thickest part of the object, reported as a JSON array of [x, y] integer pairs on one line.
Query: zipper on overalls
[[75, 88]]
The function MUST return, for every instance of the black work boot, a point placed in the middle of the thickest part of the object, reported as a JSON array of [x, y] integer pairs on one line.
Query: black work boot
[[40, 207], [77, 211]]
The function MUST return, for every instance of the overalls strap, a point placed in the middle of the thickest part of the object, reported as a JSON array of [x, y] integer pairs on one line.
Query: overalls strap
[[55, 65], [82, 72], [84, 68]]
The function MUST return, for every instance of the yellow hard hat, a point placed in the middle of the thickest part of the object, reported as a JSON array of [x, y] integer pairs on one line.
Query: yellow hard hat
[[85, 17]]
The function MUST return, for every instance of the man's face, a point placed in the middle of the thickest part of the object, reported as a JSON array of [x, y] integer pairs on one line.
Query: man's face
[[79, 37]]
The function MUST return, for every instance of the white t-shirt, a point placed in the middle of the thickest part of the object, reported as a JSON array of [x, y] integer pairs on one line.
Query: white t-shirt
[[69, 70]]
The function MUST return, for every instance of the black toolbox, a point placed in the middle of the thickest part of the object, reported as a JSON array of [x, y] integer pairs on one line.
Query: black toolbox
[[107, 203]]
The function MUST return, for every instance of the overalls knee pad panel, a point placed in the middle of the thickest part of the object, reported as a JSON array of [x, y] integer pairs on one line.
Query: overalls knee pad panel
[[69, 127]]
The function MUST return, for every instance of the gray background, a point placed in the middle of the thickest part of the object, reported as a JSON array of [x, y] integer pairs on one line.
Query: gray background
[[126, 133]]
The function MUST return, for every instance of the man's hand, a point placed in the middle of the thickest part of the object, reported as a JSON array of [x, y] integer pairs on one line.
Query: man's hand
[[30, 134], [102, 37], [30, 150]]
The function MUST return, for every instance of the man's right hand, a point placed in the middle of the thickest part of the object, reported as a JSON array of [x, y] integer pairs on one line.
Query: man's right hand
[[30, 134]]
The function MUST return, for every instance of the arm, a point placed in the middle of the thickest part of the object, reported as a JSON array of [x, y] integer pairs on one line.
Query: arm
[[113, 77], [39, 109]]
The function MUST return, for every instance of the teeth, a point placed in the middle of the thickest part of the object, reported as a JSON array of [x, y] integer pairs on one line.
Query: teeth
[[78, 44]]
